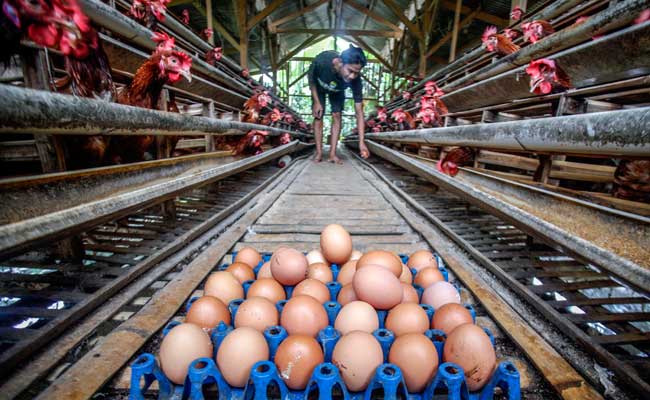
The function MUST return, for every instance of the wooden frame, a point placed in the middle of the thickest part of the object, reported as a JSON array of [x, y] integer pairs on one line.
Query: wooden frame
[[342, 32]]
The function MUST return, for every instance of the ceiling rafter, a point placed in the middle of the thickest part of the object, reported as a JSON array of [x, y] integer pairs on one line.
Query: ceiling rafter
[[448, 36], [399, 12], [481, 16], [273, 25], [361, 43], [313, 39], [217, 25], [369, 13], [341, 32], [263, 14]]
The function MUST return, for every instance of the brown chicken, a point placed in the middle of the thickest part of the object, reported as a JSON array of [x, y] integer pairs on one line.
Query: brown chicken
[[457, 157], [498, 43], [632, 180], [163, 67], [536, 30]]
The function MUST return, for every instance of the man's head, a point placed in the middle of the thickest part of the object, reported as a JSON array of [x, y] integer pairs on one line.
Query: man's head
[[353, 61]]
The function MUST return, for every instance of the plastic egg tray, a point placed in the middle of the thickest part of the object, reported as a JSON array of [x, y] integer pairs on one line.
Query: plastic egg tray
[[325, 380]]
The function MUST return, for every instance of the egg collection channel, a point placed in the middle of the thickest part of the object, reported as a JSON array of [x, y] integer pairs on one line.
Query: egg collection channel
[[335, 321]]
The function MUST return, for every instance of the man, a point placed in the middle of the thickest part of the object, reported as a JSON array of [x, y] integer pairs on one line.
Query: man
[[329, 75]]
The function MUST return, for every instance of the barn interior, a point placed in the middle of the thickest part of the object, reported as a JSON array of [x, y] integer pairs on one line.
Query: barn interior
[[486, 233]]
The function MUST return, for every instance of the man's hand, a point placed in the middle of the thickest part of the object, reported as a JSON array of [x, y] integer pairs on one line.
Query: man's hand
[[363, 150], [317, 110]]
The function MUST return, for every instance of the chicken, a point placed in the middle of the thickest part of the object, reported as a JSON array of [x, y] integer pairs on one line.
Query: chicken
[[251, 144], [457, 157], [381, 114], [512, 34], [516, 13], [163, 67], [185, 16], [404, 119], [213, 56], [547, 77], [536, 30], [149, 12], [272, 117], [632, 180], [207, 33], [499, 43], [406, 95], [432, 108]]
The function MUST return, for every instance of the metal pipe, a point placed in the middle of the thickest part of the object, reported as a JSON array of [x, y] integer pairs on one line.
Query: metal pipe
[[624, 133], [35, 111]]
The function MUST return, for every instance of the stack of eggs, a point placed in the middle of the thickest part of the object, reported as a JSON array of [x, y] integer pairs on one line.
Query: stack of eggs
[[377, 290]]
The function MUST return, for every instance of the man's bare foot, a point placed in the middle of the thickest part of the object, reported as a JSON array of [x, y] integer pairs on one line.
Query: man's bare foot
[[318, 158], [335, 160]]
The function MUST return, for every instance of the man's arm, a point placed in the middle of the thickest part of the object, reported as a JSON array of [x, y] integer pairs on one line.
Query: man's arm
[[357, 93], [317, 107]]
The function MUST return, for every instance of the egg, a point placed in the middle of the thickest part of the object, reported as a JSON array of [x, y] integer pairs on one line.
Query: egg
[[422, 259], [313, 288], [183, 344], [268, 288], [288, 266], [407, 318], [336, 244], [238, 352], [346, 273], [383, 258], [357, 355], [296, 358], [357, 316], [417, 357], [449, 317], [346, 295], [470, 347], [241, 271], [439, 294], [356, 254], [265, 271], [315, 256], [321, 272], [377, 286], [428, 276], [248, 256], [257, 313], [303, 315], [207, 312], [409, 294], [406, 276], [224, 286]]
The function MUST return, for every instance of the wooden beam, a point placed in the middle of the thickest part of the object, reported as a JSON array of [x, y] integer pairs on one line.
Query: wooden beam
[[446, 38], [370, 82], [309, 59], [368, 12], [298, 79], [361, 43], [273, 25], [263, 14], [343, 32], [481, 16], [242, 10], [399, 12], [315, 38], [208, 9], [217, 25], [454, 32], [174, 3]]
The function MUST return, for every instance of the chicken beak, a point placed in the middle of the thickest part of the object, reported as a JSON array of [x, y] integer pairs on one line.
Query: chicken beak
[[187, 75], [536, 83]]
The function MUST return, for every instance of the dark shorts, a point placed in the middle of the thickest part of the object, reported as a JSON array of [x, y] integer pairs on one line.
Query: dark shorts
[[336, 99]]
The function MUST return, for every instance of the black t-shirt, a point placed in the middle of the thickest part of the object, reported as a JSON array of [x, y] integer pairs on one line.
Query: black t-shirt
[[325, 78]]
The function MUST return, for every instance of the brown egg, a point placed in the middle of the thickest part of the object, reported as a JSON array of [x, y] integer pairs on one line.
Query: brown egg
[[268, 288], [346, 295], [315, 256], [303, 315], [428, 276], [409, 294], [248, 256], [313, 288], [224, 286], [422, 259], [241, 271], [386, 259], [439, 294], [183, 344], [406, 276], [207, 312], [356, 254], [238, 352], [449, 317], [377, 286], [346, 273], [357, 355], [258, 313], [357, 316], [417, 357], [407, 318], [336, 244], [470, 347], [265, 271], [296, 358], [288, 266], [321, 272]]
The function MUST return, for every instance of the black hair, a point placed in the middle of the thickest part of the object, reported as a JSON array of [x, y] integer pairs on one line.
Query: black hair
[[354, 55]]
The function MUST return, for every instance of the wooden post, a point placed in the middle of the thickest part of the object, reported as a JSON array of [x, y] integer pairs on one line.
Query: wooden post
[[208, 17], [243, 33], [208, 111], [454, 35], [275, 80], [287, 76]]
